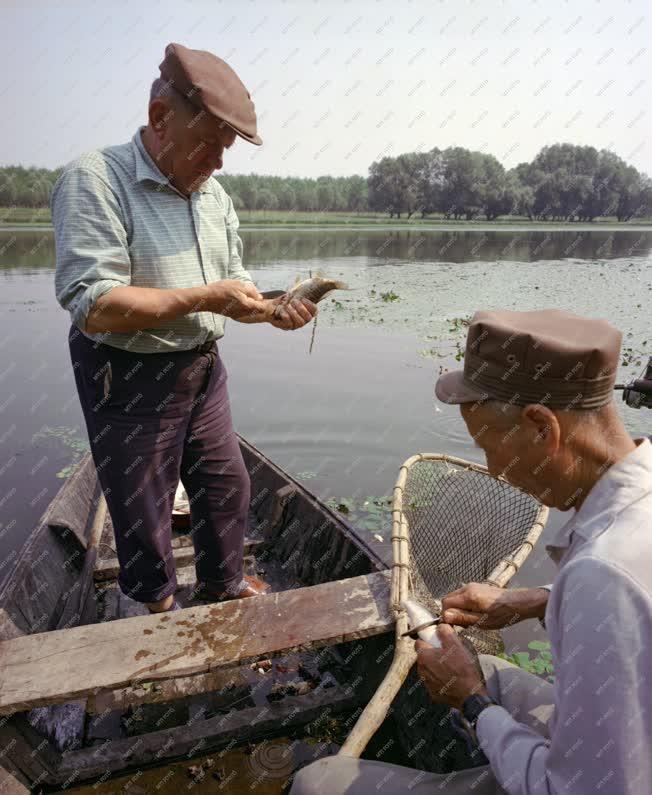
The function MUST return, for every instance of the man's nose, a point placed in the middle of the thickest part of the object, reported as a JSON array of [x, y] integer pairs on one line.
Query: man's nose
[[215, 159]]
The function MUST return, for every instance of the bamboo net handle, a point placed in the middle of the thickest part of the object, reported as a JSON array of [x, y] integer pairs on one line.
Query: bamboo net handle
[[376, 710], [405, 656]]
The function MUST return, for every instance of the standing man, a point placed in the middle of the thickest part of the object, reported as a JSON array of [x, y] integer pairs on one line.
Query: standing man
[[536, 394], [149, 264]]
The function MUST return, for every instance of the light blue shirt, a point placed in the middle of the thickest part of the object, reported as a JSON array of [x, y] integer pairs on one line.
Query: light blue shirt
[[118, 221], [599, 619]]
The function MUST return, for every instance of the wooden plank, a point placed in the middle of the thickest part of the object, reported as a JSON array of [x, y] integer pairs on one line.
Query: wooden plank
[[182, 541], [190, 739], [76, 607], [184, 555], [250, 544], [72, 508], [109, 568], [10, 785], [232, 681], [8, 629], [28, 753], [60, 666]]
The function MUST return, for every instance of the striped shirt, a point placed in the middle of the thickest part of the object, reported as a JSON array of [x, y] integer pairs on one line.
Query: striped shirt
[[118, 221]]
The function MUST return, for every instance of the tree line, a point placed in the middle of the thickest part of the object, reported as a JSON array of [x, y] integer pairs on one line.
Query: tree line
[[563, 182]]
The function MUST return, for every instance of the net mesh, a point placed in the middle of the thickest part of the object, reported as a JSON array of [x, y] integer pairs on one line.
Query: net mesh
[[461, 523]]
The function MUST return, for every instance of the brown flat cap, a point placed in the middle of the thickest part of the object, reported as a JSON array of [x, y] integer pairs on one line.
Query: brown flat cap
[[547, 356], [210, 84]]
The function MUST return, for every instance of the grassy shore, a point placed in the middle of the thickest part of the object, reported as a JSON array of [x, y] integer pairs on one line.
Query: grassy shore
[[10, 216], [15, 216]]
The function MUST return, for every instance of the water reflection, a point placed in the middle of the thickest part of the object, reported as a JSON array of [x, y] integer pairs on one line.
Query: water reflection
[[434, 246], [35, 250]]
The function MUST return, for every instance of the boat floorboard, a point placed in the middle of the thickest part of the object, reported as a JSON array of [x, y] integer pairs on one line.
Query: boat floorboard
[[116, 604], [57, 667], [109, 567], [252, 723]]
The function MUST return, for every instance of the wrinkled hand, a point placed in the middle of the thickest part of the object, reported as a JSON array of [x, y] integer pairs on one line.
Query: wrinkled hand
[[233, 298], [292, 315], [450, 674], [491, 607]]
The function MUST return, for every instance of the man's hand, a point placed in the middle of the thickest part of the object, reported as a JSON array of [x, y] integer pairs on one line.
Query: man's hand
[[233, 298], [284, 316], [292, 315], [450, 674], [492, 608]]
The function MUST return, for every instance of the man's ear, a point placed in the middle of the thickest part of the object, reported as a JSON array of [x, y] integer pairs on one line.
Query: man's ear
[[159, 116], [543, 423]]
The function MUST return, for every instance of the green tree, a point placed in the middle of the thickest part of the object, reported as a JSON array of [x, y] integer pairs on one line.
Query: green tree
[[266, 200], [357, 195], [286, 196], [325, 196]]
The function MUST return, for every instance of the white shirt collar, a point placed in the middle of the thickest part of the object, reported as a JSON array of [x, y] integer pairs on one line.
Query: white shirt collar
[[622, 484]]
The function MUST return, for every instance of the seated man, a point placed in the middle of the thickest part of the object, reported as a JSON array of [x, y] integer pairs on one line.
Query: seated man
[[536, 394]]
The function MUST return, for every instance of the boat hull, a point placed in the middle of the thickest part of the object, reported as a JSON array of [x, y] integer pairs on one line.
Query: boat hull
[[296, 536]]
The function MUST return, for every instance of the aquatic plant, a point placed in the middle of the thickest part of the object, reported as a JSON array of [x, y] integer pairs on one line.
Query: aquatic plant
[[458, 323], [371, 513], [390, 296], [68, 437], [630, 356], [539, 663]]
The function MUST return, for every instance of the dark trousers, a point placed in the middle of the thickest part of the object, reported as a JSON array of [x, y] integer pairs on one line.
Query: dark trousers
[[152, 419]]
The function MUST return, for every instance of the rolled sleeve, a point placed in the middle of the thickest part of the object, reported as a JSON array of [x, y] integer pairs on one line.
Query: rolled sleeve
[[91, 242], [236, 270], [603, 710], [84, 299]]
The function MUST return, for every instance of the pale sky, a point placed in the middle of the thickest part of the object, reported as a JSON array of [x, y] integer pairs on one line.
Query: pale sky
[[338, 83]]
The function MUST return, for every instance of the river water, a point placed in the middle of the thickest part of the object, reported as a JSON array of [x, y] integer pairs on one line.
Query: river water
[[343, 417]]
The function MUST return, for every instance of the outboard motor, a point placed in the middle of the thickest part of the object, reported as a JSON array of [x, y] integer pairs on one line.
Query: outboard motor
[[638, 393]]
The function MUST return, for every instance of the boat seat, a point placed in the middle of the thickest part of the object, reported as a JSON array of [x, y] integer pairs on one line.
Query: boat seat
[[80, 662], [108, 568]]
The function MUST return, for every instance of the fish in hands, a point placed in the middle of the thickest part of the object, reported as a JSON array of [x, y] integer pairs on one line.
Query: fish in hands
[[313, 290], [292, 314], [246, 305], [300, 300], [444, 664], [287, 310]]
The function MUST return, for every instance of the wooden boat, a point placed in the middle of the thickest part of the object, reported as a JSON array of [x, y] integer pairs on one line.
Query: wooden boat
[[91, 685]]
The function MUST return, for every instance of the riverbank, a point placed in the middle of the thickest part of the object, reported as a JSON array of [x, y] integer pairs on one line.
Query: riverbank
[[16, 218]]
